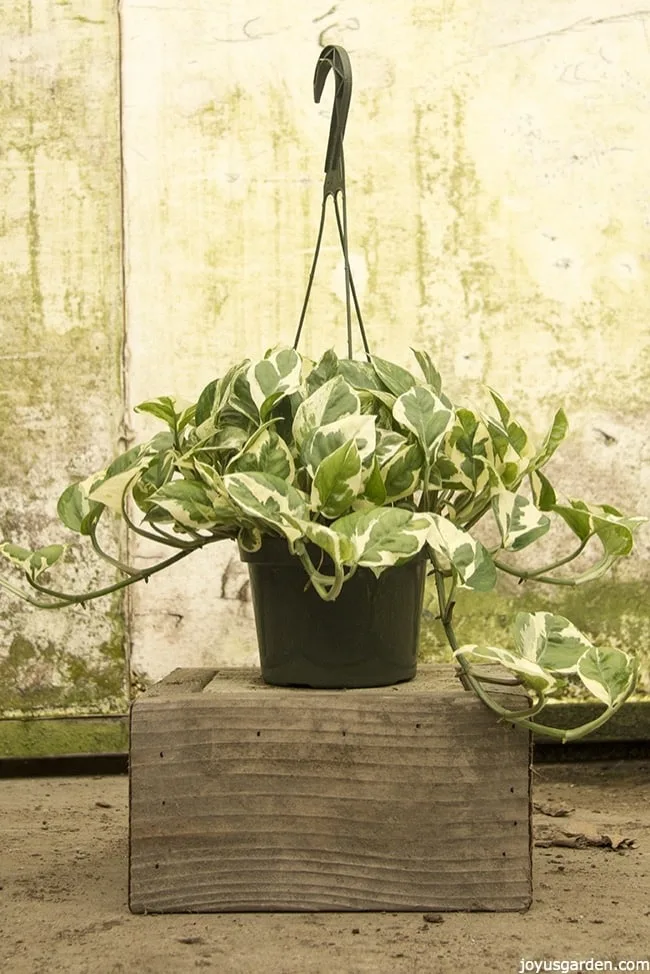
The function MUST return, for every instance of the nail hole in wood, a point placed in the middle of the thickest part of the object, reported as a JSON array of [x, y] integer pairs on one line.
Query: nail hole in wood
[[161, 754], [259, 734]]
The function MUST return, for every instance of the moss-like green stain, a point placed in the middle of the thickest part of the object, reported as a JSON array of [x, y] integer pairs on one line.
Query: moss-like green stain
[[53, 738], [33, 233], [465, 236], [420, 232], [48, 679]]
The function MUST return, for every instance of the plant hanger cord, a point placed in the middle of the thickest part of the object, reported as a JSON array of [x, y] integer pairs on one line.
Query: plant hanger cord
[[334, 58]]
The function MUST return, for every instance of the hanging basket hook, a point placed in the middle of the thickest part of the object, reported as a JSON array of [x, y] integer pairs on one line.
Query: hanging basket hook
[[335, 59]]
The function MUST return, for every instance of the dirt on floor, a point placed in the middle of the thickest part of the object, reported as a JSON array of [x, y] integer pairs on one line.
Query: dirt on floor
[[63, 895]]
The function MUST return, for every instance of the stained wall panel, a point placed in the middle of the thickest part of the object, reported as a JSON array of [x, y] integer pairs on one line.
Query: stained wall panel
[[61, 334]]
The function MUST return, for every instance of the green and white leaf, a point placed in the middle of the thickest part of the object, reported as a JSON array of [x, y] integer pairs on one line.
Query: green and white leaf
[[555, 436], [519, 521], [227, 438], [270, 500], [384, 536], [517, 435], [388, 444], [360, 375], [321, 443], [542, 489], [33, 563], [338, 481], [212, 480], [109, 486], [215, 395], [226, 388], [421, 412], [609, 674], [530, 673], [329, 404], [429, 371], [175, 412], [327, 368], [241, 401], [551, 640], [385, 399], [112, 491], [402, 473], [249, 537], [159, 470], [265, 452], [205, 403], [514, 450], [469, 559], [275, 376], [396, 379], [374, 490], [74, 507], [162, 408], [339, 548], [466, 454], [193, 505]]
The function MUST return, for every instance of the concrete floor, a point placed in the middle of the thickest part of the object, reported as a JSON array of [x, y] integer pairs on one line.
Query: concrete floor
[[63, 897]]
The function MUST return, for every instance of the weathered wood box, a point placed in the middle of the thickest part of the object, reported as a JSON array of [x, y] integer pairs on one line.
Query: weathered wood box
[[246, 797]]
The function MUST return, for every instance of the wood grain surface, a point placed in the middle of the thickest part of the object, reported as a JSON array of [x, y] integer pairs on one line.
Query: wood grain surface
[[246, 797]]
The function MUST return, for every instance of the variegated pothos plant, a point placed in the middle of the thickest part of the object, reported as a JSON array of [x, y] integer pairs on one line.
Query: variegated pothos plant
[[370, 465]]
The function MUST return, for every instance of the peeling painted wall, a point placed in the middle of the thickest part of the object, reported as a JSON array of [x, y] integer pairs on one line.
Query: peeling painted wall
[[498, 204], [61, 332]]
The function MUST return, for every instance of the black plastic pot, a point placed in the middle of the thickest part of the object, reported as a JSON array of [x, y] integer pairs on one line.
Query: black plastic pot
[[367, 637]]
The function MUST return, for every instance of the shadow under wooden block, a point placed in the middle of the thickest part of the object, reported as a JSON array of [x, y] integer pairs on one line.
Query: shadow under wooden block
[[246, 797]]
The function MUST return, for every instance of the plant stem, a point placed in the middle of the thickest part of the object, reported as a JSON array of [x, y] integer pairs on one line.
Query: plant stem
[[164, 537], [28, 598], [328, 587], [502, 681], [109, 558], [424, 499], [66, 599], [533, 576], [539, 573]]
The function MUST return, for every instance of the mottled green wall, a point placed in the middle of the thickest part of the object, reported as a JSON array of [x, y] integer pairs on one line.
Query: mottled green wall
[[498, 205], [61, 331]]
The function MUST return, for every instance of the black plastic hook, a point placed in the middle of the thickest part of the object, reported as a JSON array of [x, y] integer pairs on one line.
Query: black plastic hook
[[334, 58]]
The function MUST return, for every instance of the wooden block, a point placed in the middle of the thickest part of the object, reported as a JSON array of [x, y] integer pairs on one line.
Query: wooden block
[[248, 797]]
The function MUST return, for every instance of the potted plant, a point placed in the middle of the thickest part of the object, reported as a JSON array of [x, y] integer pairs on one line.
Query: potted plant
[[343, 482]]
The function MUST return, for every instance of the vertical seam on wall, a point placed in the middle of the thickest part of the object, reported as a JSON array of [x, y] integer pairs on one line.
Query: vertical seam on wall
[[126, 434]]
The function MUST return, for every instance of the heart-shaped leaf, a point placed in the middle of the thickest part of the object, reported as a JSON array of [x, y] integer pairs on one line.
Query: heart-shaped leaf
[[470, 561], [519, 521], [422, 413], [608, 674], [338, 481]]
